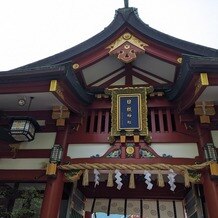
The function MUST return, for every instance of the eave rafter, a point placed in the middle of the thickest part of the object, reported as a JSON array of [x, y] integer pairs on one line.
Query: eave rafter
[[87, 60], [193, 91], [63, 93], [164, 54]]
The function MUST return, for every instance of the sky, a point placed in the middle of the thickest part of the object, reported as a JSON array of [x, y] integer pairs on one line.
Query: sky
[[31, 30]]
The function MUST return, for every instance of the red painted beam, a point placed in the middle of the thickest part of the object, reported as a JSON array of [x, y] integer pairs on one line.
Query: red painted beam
[[78, 137], [91, 58], [163, 54], [173, 137], [140, 192], [213, 79], [160, 51], [23, 175], [155, 160], [152, 102], [168, 137], [31, 87], [26, 153]]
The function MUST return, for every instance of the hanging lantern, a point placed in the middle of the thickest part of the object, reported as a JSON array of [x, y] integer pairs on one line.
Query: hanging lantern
[[56, 154], [210, 152], [23, 128]]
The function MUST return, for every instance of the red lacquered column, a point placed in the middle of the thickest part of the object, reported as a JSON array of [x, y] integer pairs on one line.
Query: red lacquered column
[[211, 195], [88, 215], [210, 186], [54, 187]]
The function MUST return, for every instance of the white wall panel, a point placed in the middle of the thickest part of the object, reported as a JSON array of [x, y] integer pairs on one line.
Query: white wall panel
[[186, 150], [23, 163], [41, 141], [86, 150]]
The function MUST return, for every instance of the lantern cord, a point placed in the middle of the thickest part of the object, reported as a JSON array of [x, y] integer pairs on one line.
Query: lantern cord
[[30, 102]]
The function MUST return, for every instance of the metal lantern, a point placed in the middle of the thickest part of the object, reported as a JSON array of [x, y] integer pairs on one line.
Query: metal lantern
[[23, 128], [56, 154], [210, 152]]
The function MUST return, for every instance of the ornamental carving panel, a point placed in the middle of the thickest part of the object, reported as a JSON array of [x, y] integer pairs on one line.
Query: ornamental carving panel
[[126, 47]]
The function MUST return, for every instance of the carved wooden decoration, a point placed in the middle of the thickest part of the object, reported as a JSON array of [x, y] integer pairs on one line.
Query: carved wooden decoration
[[126, 47]]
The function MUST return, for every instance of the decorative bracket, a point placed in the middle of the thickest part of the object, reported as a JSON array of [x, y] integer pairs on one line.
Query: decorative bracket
[[60, 113], [204, 109], [126, 47]]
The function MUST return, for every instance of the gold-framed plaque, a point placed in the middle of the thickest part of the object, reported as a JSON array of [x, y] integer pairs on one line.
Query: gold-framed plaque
[[129, 111]]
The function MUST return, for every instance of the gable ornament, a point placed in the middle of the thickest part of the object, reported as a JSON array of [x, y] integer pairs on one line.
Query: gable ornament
[[126, 47]]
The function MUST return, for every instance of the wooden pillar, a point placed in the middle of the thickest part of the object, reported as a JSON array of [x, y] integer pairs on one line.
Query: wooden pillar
[[54, 187], [88, 214], [210, 186], [204, 138], [210, 194]]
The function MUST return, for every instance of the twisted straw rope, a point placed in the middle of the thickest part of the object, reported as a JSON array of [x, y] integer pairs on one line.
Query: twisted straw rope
[[110, 166]]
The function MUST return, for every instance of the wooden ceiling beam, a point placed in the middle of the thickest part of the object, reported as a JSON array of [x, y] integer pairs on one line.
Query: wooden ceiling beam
[[153, 75], [102, 78], [31, 87], [111, 81], [146, 79]]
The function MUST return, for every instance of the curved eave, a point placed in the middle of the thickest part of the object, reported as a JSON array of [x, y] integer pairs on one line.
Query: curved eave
[[191, 65], [34, 74], [130, 18], [63, 72]]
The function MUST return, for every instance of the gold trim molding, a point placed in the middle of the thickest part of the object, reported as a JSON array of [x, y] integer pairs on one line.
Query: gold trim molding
[[202, 81]]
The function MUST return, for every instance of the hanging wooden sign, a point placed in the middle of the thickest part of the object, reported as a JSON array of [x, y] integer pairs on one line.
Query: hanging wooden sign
[[129, 111]]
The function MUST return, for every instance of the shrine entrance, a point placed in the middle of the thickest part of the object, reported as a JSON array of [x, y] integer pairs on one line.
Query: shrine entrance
[[99, 201], [131, 178], [137, 208]]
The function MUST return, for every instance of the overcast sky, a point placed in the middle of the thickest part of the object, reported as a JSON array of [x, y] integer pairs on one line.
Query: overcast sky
[[34, 29]]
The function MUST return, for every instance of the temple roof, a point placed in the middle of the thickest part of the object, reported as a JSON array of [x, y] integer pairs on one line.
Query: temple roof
[[167, 63], [124, 17]]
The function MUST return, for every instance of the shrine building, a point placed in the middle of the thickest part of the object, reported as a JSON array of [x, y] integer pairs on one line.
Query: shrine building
[[123, 123]]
